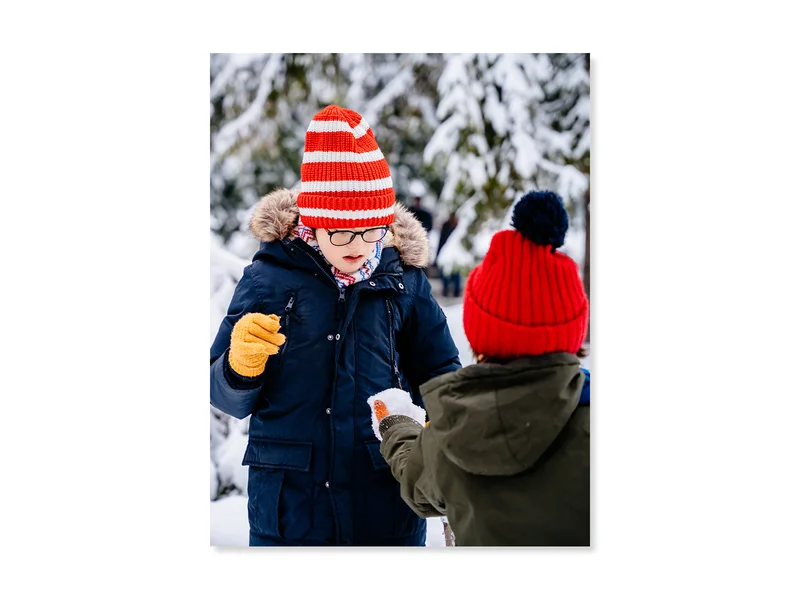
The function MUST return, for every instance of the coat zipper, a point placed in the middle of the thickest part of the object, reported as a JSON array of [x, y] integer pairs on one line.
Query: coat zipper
[[391, 343], [285, 329]]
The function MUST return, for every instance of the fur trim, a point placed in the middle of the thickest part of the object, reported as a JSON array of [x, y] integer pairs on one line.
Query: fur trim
[[276, 215], [409, 237], [398, 402]]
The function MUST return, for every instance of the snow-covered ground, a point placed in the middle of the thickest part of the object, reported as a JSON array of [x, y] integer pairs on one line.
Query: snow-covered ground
[[229, 524]]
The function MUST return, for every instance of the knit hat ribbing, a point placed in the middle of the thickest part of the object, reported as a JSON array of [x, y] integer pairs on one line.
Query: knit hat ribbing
[[344, 179], [525, 298]]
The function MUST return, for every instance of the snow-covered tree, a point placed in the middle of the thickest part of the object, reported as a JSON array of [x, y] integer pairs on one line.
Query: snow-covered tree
[[397, 95], [510, 123], [567, 100], [260, 108]]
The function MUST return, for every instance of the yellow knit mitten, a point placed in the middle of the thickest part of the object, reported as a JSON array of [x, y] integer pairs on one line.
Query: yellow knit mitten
[[254, 339]]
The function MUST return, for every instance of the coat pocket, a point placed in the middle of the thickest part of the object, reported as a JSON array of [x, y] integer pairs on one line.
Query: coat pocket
[[279, 487], [283, 454]]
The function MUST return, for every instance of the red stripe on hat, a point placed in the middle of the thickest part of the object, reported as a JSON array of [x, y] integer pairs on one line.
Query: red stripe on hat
[[346, 202], [345, 171], [336, 141], [334, 223]]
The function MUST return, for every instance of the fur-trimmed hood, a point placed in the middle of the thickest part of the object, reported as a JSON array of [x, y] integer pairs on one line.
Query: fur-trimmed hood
[[276, 215]]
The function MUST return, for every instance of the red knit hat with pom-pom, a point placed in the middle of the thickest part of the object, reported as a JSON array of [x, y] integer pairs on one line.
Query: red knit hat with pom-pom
[[526, 298]]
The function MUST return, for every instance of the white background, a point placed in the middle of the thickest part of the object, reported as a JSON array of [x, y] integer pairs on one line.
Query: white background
[[105, 257]]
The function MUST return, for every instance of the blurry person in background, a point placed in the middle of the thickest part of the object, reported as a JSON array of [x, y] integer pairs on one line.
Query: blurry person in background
[[423, 216], [334, 307], [505, 455], [451, 276]]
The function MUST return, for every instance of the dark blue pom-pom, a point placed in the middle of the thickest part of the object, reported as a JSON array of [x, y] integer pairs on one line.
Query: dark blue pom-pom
[[542, 218]]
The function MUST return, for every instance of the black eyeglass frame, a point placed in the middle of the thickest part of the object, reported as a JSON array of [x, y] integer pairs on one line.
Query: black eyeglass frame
[[353, 235]]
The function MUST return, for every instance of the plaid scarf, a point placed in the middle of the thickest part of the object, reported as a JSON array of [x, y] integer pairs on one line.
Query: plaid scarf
[[343, 279]]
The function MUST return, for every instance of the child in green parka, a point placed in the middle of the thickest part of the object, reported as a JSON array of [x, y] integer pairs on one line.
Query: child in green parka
[[505, 454]]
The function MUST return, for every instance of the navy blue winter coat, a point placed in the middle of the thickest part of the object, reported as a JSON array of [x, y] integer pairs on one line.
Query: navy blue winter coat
[[316, 473]]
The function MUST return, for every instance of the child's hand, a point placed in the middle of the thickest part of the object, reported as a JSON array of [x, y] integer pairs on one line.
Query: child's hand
[[254, 339], [393, 402]]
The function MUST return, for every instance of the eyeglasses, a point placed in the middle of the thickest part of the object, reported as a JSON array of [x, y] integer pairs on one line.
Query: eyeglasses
[[344, 237]]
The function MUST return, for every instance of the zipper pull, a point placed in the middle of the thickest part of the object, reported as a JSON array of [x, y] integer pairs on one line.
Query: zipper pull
[[340, 304], [290, 304]]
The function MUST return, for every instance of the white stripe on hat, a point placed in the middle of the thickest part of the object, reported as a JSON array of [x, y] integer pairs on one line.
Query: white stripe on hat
[[346, 214], [346, 186], [351, 157], [361, 128], [333, 126]]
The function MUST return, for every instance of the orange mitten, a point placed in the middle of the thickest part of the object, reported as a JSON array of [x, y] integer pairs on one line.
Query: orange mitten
[[393, 402], [380, 410]]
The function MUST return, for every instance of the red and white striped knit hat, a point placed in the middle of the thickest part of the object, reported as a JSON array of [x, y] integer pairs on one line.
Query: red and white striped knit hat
[[344, 179]]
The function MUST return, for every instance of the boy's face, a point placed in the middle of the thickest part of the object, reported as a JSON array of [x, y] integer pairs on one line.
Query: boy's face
[[352, 256]]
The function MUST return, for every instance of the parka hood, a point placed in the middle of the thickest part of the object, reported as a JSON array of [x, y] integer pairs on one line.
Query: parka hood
[[493, 419]]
